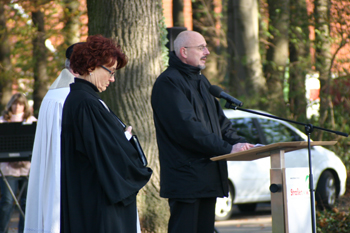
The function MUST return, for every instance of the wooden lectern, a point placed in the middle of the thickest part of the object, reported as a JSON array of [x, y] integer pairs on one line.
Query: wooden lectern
[[279, 198]]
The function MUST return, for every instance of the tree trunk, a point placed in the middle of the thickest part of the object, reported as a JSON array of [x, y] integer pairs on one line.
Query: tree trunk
[[207, 21], [138, 27], [300, 64], [248, 81], [234, 85], [6, 74], [263, 29], [323, 59], [277, 55], [178, 13], [72, 22], [39, 59]]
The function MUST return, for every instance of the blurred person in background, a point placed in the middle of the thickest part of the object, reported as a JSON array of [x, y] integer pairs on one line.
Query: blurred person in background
[[17, 110]]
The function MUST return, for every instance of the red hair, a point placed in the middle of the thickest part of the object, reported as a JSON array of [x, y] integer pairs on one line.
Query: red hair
[[95, 52]]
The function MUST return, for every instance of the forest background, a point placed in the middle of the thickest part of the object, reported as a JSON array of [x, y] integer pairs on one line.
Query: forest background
[[263, 52]]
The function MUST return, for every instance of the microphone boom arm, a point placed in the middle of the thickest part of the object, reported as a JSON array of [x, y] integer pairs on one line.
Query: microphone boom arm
[[231, 106]]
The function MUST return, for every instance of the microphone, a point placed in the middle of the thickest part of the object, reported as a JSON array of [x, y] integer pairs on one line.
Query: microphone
[[219, 93]]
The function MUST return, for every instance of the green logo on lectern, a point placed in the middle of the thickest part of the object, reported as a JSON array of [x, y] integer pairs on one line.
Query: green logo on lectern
[[308, 183]]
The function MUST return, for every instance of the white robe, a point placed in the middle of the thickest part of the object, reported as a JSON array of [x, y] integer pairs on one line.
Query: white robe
[[43, 198]]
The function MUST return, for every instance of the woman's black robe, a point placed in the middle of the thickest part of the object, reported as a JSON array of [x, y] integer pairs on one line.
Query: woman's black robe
[[101, 172]]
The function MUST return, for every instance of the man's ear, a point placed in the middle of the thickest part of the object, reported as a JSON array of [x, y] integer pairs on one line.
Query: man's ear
[[183, 52]]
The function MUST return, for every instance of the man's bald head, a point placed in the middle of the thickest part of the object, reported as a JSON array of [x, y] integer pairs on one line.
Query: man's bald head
[[191, 48], [184, 39]]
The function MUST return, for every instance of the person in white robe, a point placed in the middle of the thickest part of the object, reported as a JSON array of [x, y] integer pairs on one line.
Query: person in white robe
[[43, 198]]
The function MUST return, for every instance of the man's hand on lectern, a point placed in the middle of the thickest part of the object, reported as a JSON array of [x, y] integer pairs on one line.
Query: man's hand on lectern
[[241, 147]]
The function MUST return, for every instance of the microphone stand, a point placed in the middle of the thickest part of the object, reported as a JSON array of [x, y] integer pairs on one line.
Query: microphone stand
[[308, 129]]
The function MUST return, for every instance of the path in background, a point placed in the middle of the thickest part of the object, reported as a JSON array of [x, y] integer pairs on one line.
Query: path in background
[[255, 222], [259, 221]]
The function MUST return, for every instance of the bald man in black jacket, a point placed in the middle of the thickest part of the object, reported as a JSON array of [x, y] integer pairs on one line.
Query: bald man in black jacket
[[191, 128]]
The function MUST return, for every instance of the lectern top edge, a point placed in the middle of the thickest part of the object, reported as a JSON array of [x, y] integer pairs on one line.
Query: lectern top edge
[[264, 151]]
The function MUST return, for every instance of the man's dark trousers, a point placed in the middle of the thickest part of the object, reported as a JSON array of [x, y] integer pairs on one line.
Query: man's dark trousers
[[192, 215]]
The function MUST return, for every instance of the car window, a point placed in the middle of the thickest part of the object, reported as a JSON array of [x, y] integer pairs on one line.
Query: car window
[[246, 128], [276, 132]]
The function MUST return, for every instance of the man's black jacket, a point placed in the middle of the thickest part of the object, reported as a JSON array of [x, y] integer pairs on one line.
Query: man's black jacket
[[191, 128]]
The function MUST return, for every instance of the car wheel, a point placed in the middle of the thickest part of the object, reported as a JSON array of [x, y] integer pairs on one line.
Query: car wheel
[[326, 191], [244, 208], [224, 206]]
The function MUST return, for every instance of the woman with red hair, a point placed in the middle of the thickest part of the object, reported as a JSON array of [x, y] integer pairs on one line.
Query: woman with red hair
[[101, 171]]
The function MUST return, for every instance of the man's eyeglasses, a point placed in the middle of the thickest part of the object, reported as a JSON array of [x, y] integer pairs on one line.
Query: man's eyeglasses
[[200, 47], [109, 71]]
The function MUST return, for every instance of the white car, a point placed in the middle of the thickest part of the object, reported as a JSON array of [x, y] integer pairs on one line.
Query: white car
[[249, 182]]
